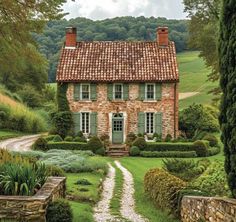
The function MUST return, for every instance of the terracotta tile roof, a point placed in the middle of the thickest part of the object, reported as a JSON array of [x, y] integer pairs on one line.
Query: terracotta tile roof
[[118, 61]]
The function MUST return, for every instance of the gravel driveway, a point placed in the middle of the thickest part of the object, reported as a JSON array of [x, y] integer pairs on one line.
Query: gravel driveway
[[23, 143]]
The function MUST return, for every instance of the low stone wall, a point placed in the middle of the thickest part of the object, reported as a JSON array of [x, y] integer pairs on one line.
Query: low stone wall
[[24, 208], [201, 209]]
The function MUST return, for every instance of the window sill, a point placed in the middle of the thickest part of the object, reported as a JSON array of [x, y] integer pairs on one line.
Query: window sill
[[83, 101], [118, 101], [151, 101]]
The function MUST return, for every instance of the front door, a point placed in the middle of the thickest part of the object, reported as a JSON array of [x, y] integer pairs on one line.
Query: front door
[[117, 128]]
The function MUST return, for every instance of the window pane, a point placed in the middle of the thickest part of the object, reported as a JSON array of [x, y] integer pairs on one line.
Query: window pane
[[150, 91], [118, 91], [85, 122], [149, 122], [85, 91]]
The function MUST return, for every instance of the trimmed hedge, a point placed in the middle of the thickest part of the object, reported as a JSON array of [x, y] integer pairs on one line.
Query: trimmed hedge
[[163, 188], [173, 154], [67, 146], [161, 146], [213, 151]]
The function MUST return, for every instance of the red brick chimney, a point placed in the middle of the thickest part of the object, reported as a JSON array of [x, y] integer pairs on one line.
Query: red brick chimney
[[162, 36], [70, 37]]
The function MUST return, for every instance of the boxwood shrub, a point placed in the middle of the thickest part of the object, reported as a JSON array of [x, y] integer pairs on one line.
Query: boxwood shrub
[[163, 188], [67, 145], [160, 146], [173, 154]]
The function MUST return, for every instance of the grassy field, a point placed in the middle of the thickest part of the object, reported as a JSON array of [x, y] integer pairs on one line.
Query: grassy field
[[4, 134], [84, 196], [193, 78]]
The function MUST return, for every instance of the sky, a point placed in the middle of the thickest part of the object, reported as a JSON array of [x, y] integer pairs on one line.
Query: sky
[[101, 9]]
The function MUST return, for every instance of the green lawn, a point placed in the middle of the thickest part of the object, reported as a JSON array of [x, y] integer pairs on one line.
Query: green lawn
[[193, 78], [83, 202], [9, 134], [138, 167]]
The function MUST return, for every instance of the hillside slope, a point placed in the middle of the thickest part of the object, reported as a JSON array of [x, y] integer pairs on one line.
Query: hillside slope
[[16, 116], [193, 79]]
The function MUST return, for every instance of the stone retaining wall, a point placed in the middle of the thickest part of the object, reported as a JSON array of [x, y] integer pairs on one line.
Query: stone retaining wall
[[25, 208], [199, 209]]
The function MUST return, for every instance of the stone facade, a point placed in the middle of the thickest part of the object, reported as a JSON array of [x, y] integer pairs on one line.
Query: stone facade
[[194, 209], [168, 105], [25, 208]]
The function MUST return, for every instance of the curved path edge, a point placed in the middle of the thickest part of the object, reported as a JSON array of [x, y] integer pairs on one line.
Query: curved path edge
[[19, 144]]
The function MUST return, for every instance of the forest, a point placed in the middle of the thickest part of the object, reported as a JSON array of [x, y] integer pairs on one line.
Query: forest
[[119, 28]]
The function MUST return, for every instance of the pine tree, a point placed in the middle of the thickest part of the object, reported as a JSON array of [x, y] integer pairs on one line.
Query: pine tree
[[227, 55]]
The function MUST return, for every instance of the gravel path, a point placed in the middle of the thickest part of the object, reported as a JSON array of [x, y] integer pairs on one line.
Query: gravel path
[[101, 210], [23, 143], [187, 95], [127, 201]]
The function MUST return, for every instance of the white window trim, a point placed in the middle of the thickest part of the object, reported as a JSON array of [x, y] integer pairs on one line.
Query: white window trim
[[153, 123], [81, 86], [81, 119], [154, 98], [122, 91]]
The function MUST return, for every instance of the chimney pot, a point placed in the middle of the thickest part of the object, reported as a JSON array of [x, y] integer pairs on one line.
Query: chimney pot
[[70, 37], [163, 36]]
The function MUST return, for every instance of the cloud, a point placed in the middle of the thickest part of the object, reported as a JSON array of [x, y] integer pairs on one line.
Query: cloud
[[101, 9]]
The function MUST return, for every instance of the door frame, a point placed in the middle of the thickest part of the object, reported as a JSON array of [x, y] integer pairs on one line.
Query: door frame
[[124, 118]]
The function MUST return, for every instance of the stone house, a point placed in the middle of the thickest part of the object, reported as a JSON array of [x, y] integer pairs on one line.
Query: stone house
[[119, 87]]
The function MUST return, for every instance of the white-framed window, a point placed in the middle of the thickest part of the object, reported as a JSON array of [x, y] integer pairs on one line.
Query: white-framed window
[[85, 122], [85, 91], [149, 123], [117, 91], [150, 91]]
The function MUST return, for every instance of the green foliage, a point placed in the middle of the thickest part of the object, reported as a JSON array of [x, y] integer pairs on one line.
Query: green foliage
[[203, 29], [74, 161], [21, 179], [199, 135], [80, 134], [140, 143], [178, 146], [80, 139], [201, 148], [101, 151], [49, 138], [83, 182], [213, 151], [213, 141], [63, 123], [40, 144], [172, 154], [30, 96], [59, 210], [57, 138], [68, 139], [163, 188], [197, 117], [67, 145], [130, 139], [62, 101], [134, 151], [55, 171], [168, 138], [95, 144], [186, 170], [16, 116], [105, 139], [213, 180]]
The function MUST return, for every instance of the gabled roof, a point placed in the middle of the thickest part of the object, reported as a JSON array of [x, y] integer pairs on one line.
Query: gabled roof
[[118, 61]]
